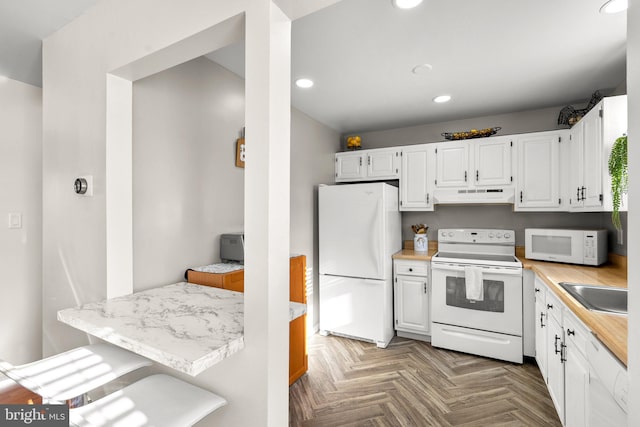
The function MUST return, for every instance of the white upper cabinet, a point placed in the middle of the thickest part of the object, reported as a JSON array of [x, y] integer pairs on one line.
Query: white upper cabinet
[[591, 141], [383, 164], [474, 163], [417, 177], [474, 171], [452, 164], [539, 174], [368, 165], [492, 160], [350, 166]]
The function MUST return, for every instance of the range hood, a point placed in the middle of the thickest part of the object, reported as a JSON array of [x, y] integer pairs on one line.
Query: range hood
[[455, 196]]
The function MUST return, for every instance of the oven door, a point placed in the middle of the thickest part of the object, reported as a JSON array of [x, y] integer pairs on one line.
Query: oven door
[[500, 309]]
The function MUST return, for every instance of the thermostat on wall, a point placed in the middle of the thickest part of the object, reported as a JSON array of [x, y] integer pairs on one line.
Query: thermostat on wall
[[83, 185]]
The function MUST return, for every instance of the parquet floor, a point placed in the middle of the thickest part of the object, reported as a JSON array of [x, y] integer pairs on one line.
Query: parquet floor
[[353, 383]]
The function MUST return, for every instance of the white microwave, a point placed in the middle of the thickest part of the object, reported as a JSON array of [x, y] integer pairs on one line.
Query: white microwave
[[587, 247]]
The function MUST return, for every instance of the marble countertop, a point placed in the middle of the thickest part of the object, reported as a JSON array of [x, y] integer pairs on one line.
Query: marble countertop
[[184, 326]]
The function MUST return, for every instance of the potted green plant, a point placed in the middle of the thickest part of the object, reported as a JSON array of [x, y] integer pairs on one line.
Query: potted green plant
[[619, 177]]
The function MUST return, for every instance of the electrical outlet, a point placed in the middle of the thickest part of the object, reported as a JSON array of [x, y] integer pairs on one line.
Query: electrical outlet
[[15, 220]]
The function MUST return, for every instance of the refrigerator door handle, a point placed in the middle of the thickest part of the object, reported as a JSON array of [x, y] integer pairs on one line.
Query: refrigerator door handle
[[378, 237]]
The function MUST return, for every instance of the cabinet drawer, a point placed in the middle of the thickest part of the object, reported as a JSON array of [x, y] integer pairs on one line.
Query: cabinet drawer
[[554, 306], [411, 268], [576, 334]]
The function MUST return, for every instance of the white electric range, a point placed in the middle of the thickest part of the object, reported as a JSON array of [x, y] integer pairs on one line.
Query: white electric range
[[477, 293]]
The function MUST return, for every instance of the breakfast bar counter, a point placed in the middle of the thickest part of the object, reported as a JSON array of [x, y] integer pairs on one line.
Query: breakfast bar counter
[[184, 326]]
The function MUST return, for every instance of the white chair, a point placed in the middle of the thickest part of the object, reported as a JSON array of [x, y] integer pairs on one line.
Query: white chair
[[157, 400], [75, 372]]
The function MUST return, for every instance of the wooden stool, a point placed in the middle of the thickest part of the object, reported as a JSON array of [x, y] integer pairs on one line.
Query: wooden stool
[[158, 400], [75, 372]]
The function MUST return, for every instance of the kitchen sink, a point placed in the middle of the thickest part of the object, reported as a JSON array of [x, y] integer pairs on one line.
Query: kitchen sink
[[604, 299]]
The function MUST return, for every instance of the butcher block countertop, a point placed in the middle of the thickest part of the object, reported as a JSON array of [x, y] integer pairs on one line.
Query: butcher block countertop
[[409, 254], [610, 329]]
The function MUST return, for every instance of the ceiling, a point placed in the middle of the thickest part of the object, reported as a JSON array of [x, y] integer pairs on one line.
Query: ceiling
[[491, 56], [23, 25]]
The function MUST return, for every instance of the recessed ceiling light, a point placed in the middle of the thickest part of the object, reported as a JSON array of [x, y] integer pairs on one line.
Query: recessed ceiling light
[[304, 83], [422, 69], [442, 98], [406, 4], [614, 6]]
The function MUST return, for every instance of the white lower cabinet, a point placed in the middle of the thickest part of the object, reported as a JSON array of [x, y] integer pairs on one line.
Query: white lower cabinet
[[576, 372], [541, 326], [562, 344], [411, 299], [555, 365]]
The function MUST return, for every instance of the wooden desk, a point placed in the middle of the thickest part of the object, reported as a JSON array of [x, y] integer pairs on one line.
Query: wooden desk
[[234, 281]]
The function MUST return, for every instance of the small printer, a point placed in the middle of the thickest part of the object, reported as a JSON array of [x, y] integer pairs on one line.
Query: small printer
[[232, 247]]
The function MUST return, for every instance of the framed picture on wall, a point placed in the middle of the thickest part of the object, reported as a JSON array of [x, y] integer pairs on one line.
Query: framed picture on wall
[[240, 152]]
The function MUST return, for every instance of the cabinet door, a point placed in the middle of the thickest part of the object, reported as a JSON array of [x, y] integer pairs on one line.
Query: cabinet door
[[350, 167], [412, 304], [541, 330], [538, 172], [592, 161], [298, 358], [555, 365], [383, 164], [416, 192], [576, 166], [452, 163], [576, 370], [492, 160]]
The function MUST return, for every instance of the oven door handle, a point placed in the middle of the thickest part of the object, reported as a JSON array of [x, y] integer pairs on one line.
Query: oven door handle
[[485, 270]]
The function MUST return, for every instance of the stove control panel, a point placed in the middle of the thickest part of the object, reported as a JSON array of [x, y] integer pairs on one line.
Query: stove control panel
[[476, 235]]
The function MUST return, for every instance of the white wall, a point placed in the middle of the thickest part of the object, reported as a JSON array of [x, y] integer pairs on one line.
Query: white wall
[[76, 62], [511, 123], [77, 59], [186, 187], [313, 147], [187, 190], [20, 249], [633, 83]]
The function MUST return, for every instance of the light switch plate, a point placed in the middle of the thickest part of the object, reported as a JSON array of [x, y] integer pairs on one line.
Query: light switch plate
[[15, 220]]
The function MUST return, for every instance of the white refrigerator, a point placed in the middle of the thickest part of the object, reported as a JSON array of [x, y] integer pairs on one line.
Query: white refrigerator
[[359, 231]]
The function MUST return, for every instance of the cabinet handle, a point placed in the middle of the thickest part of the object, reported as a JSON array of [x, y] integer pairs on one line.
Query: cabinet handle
[[555, 345], [583, 190], [521, 197], [427, 198], [477, 176], [360, 161], [425, 287], [369, 160], [563, 353], [536, 289], [541, 319], [578, 194], [550, 306], [570, 332], [410, 269], [465, 176]]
